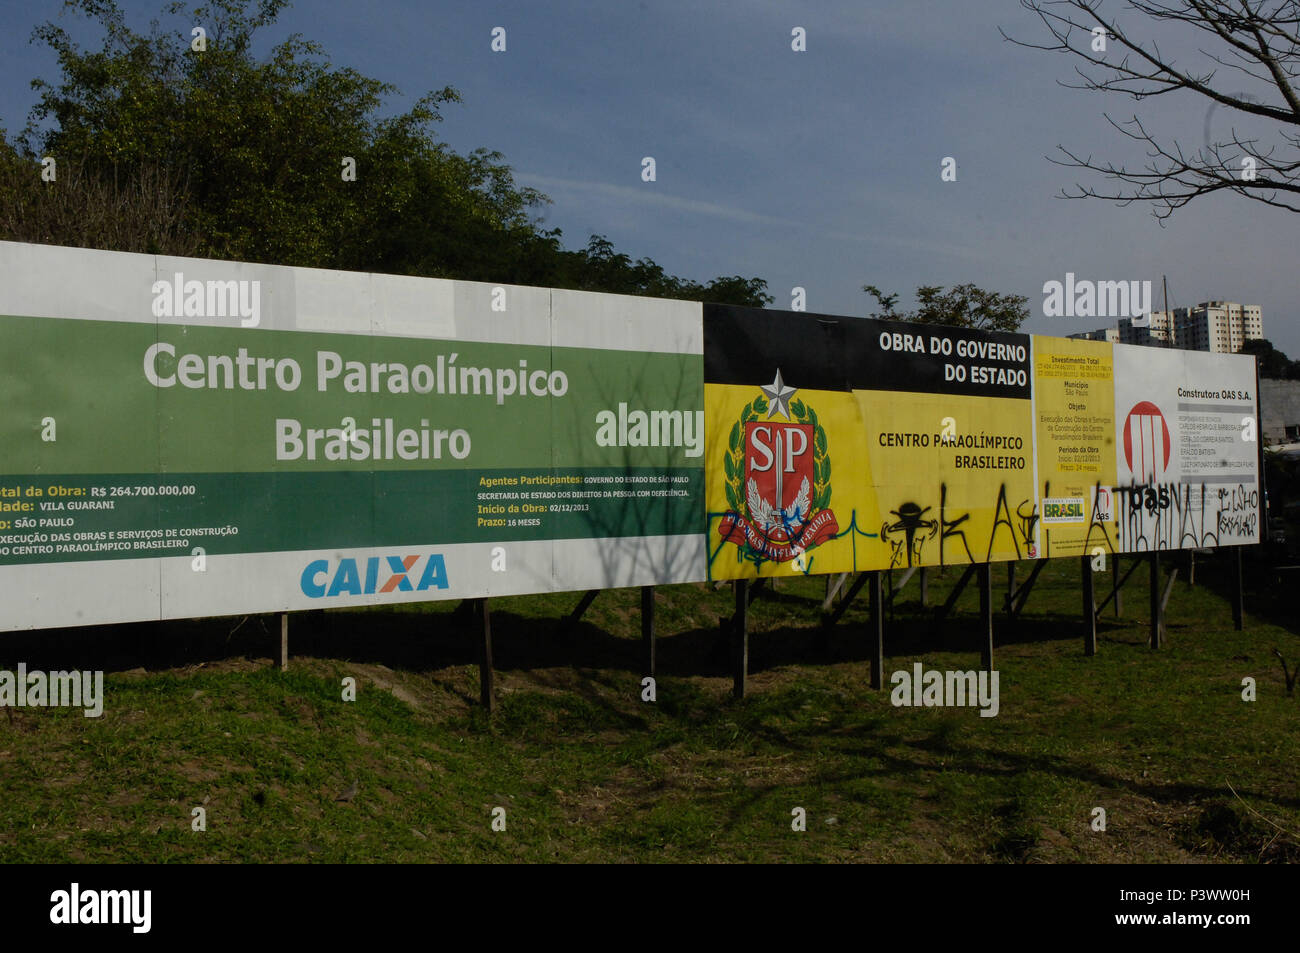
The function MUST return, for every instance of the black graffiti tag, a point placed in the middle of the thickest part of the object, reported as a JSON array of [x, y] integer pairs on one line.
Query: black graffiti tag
[[1238, 510]]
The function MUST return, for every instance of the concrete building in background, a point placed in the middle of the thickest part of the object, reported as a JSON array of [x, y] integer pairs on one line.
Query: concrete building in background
[[1110, 335], [1221, 327], [1156, 331], [1218, 326], [1279, 411]]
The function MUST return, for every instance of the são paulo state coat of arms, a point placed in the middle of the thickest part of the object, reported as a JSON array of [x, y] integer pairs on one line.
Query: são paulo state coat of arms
[[778, 478]]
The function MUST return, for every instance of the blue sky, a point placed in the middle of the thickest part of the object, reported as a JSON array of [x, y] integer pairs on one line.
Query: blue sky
[[818, 169]]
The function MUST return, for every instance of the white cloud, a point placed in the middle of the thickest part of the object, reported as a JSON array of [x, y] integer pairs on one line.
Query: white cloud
[[653, 196]]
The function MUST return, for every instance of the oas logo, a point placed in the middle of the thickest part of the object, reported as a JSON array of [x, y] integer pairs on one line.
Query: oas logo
[[1103, 505], [1146, 442], [347, 578], [778, 478]]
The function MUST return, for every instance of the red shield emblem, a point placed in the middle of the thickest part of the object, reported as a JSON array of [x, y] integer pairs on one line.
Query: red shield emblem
[[777, 480], [779, 474]]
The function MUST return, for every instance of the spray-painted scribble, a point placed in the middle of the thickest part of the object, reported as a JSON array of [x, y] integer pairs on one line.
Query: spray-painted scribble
[[1186, 515], [909, 532]]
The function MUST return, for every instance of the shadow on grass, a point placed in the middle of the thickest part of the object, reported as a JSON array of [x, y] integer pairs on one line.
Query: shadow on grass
[[442, 635], [420, 641], [1270, 591], [864, 753]]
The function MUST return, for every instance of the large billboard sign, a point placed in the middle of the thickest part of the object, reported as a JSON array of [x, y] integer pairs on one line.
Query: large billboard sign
[[1186, 457], [842, 444], [190, 438], [187, 438]]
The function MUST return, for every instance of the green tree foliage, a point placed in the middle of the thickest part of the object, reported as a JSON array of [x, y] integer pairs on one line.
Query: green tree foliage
[[1273, 363], [963, 306], [224, 155], [141, 213], [599, 267]]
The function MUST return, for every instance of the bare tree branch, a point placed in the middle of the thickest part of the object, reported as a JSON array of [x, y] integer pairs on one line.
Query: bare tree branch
[[1260, 39]]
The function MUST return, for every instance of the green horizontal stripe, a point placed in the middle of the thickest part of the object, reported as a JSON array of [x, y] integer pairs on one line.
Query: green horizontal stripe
[[277, 512]]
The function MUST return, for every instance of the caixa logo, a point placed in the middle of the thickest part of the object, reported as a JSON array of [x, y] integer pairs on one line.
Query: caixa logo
[[347, 578]]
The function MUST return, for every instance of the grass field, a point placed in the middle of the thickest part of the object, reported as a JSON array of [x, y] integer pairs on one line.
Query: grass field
[[196, 715]]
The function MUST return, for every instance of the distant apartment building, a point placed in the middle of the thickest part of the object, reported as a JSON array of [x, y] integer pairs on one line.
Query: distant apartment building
[[1157, 330], [1218, 326], [1110, 335]]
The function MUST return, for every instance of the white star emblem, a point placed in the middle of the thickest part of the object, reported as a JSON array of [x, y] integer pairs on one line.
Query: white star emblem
[[779, 394]]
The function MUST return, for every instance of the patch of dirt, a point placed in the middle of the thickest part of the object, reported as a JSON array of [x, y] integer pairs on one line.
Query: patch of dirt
[[225, 666], [397, 691], [299, 709], [210, 769]]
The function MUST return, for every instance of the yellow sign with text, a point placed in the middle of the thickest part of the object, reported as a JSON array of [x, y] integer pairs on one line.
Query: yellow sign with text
[[848, 481], [1074, 408], [954, 475]]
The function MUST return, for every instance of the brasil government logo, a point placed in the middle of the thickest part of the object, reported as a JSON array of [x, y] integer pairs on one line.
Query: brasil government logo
[[778, 478]]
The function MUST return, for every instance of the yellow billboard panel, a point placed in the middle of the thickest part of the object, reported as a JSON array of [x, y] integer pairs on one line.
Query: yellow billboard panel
[[1074, 419]]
